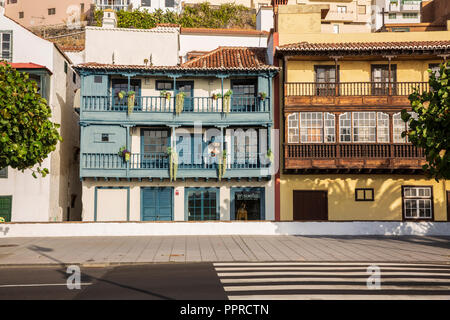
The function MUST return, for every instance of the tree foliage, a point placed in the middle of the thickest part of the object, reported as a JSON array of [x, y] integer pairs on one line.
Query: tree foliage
[[431, 129], [201, 15], [27, 136]]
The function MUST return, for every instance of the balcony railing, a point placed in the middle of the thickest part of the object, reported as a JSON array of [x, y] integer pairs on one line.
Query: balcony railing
[[353, 151], [354, 88], [162, 105], [150, 161]]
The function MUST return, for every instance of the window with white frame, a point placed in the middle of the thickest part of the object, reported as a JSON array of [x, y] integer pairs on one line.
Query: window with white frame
[[345, 127], [311, 126], [400, 126], [364, 126], [382, 127], [293, 134], [6, 46], [417, 203], [329, 127]]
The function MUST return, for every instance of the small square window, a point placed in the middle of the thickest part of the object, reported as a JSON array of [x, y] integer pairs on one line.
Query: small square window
[[364, 194], [164, 85], [4, 173], [98, 79], [105, 137], [51, 11], [21, 15]]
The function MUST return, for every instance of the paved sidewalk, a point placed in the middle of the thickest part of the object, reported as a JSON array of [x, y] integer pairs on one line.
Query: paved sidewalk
[[113, 250]]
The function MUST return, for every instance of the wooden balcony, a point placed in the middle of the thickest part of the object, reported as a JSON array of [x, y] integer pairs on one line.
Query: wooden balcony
[[353, 157], [351, 93]]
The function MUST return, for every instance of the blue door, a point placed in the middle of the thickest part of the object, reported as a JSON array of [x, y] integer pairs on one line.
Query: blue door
[[156, 204], [188, 88]]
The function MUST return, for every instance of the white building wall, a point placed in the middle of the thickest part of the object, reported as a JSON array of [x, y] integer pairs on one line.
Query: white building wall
[[132, 46], [207, 42], [264, 19]]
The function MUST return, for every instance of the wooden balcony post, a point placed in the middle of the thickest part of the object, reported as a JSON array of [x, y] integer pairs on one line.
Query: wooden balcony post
[[336, 74], [391, 134], [336, 138]]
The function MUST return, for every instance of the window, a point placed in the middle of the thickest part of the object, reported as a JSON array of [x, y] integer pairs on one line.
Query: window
[[410, 15], [98, 79], [66, 67], [105, 137], [37, 79], [400, 126], [335, 28], [4, 173], [364, 127], [164, 85], [202, 204], [382, 127], [329, 127], [417, 203], [311, 127], [6, 47], [74, 78], [293, 135], [244, 93], [51, 11], [364, 194], [362, 10], [326, 80], [341, 9], [146, 3], [392, 16], [380, 77], [170, 3], [21, 15]]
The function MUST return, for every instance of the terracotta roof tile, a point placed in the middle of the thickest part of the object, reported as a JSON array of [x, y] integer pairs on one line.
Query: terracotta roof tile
[[361, 46], [222, 58]]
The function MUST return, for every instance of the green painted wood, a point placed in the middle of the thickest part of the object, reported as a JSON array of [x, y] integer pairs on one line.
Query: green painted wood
[[6, 208]]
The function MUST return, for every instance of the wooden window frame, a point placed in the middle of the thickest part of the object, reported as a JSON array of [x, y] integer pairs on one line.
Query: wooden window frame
[[365, 198]]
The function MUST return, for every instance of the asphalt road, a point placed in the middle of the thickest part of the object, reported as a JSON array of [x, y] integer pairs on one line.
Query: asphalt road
[[234, 281]]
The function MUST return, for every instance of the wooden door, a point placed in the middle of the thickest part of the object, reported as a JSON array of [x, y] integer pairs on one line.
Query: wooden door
[[157, 204], [310, 206]]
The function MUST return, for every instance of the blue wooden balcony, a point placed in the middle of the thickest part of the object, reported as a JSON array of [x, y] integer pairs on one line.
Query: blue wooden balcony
[[157, 110], [156, 166]]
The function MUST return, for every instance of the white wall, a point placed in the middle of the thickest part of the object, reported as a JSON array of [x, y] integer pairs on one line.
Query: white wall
[[264, 19], [207, 42], [132, 46]]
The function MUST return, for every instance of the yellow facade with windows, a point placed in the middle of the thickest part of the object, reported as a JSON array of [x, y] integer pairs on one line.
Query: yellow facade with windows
[[389, 200]]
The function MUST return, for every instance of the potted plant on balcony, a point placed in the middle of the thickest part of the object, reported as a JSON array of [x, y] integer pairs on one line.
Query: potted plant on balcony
[[125, 154], [166, 94], [262, 96], [180, 102], [227, 101], [131, 100], [173, 163], [223, 164], [121, 94], [216, 96]]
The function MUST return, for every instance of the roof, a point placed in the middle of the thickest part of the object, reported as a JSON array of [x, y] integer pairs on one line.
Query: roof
[[209, 31], [365, 46], [220, 59], [28, 65]]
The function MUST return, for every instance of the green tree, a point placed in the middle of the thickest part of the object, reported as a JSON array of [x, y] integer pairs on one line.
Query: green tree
[[431, 129], [27, 136]]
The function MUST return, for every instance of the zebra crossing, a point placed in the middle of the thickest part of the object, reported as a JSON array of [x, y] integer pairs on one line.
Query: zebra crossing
[[334, 280]]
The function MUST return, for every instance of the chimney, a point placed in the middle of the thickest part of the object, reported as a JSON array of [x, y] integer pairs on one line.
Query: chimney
[[109, 19]]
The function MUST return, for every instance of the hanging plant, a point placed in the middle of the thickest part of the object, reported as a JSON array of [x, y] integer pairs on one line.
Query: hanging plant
[[223, 165], [263, 96], [270, 155], [121, 95], [173, 163], [125, 154], [227, 101], [180, 102], [131, 99]]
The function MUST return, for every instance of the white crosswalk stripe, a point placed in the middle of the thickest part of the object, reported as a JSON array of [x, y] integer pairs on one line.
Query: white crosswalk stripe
[[337, 281]]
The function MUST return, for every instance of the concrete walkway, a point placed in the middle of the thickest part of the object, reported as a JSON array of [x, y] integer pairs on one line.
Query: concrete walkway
[[124, 250]]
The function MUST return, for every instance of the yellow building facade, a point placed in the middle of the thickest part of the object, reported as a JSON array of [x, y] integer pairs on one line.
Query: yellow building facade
[[340, 97]]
